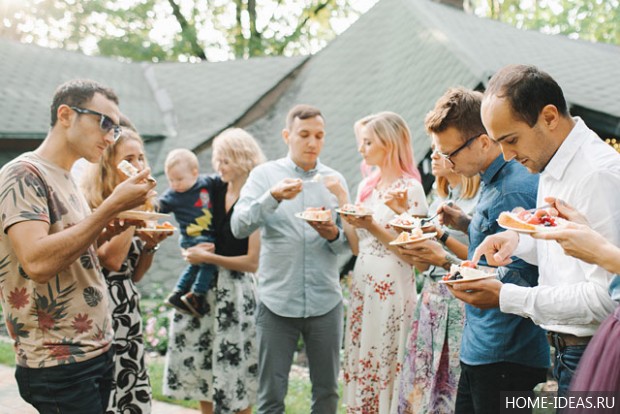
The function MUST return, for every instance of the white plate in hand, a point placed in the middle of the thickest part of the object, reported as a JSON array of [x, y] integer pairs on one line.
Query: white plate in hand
[[473, 279], [425, 236], [302, 216], [141, 215]]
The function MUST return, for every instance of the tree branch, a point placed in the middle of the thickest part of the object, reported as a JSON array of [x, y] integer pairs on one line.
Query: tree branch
[[188, 31]]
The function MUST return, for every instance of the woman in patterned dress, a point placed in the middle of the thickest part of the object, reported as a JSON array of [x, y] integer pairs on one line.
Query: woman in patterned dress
[[125, 259], [214, 359], [383, 293], [431, 368]]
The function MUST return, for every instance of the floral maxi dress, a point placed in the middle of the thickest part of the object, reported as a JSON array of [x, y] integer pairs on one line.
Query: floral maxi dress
[[380, 310], [131, 392]]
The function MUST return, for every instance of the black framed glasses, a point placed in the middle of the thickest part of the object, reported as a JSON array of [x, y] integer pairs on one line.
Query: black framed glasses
[[105, 122], [448, 157]]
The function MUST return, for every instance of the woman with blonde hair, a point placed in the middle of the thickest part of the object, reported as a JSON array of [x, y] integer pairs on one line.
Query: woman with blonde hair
[[382, 293], [223, 373], [125, 259], [431, 367]]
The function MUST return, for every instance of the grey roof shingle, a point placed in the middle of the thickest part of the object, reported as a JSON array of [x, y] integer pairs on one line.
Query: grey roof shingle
[[403, 54], [209, 97], [31, 74]]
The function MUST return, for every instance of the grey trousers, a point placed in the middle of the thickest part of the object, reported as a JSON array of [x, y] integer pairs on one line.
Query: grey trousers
[[277, 338]]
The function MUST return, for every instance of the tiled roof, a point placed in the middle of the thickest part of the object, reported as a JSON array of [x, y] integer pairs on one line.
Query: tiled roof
[[209, 97], [30, 75], [403, 54]]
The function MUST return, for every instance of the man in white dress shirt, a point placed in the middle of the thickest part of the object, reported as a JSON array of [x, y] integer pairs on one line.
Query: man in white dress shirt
[[524, 110]]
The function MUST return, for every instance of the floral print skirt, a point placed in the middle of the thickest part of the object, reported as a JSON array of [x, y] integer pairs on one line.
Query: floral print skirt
[[131, 392], [215, 358], [380, 311], [431, 370]]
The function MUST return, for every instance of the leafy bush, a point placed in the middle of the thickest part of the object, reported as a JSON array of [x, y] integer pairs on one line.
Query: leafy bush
[[155, 322]]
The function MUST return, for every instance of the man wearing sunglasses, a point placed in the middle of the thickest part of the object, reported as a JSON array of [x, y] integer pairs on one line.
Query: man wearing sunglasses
[[499, 352], [52, 291]]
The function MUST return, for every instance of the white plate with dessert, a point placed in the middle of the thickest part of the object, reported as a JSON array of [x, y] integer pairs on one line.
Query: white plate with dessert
[[407, 221], [354, 210], [315, 215], [467, 272], [141, 215], [158, 228], [416, 235], [527, 221]]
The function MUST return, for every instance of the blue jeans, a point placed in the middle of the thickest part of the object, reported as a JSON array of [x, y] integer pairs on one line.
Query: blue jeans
[[78, 388], [565, 364], [277, 339], [197, 278]]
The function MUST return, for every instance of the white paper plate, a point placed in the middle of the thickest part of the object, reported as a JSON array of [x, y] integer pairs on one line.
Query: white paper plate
[[141, 215], [426, 236], [410, 226], [473, 279], [150, 230], [365, 213], [303, 217], [538, 228]]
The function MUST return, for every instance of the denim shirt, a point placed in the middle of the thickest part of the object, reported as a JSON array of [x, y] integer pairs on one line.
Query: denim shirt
[[614, 288], [298, 270], [491, 336]]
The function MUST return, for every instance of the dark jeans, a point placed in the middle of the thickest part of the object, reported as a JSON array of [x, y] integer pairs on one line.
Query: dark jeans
[[480, 385], [565, 364], [79, 388], [197, 278]]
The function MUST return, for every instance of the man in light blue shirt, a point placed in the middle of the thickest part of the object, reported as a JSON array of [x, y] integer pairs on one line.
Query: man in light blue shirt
[[298, 288]]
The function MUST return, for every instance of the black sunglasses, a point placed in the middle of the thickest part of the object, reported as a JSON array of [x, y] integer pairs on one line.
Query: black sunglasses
[[105, 122], [448, 157]]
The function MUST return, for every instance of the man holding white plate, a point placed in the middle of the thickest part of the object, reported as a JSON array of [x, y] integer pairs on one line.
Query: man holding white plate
[[298, 279], [499, 351], [525, 112]]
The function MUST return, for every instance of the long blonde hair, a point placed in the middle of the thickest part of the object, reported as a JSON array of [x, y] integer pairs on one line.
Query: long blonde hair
[[100, 179], [393, 136], [241, 147], [469, 186]]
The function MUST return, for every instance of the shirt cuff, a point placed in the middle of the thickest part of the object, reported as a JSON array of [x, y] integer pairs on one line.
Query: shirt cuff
[[268, 203], [512, 299]]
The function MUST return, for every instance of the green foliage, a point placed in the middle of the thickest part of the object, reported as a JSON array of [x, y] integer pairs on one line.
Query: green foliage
[[7, 355], [156, 375], [155, 322], [594, 20], [159, 30]]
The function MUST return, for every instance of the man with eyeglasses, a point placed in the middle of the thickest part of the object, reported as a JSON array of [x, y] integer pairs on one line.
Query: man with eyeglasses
[[52, 291], [499, 352]]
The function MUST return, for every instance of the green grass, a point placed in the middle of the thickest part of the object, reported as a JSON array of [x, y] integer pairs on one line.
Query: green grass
[[298, 399], [7, 355], [156, 373]]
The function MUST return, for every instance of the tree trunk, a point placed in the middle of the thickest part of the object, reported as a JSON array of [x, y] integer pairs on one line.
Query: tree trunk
[[255, 45], [188, 31]]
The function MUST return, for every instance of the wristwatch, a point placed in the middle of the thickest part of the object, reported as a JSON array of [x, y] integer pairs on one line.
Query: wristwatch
[[151, 250], [444, 237]]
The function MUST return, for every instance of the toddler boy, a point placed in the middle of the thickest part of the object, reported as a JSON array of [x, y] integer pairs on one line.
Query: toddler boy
[[188, 199]]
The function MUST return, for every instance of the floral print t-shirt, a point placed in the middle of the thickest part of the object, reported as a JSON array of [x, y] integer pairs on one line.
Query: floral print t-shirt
[[66, 319]]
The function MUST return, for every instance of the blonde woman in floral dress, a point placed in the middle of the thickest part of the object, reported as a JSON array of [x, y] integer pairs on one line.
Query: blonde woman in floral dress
[[125, 260], [214, 359], [383, 293]]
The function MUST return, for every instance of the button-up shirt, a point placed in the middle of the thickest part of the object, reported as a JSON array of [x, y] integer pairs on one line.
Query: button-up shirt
[[298, 270], [572, 295], [489, 335]]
